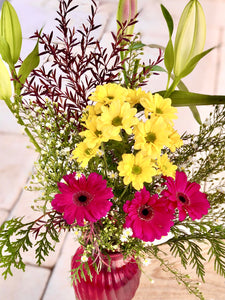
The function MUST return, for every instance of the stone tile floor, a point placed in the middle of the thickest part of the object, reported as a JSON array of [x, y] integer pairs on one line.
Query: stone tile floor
[[51, 280]]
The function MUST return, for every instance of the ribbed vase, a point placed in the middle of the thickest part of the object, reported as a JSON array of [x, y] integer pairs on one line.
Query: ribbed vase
[[120, 283]]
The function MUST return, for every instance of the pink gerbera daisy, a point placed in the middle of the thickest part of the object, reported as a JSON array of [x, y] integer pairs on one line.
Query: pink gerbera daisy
[[83, 199], [148, 216], [186, 197]]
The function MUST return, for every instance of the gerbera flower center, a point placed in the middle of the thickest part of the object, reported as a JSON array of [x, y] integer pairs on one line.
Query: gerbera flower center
[[82, 198], [150, 137], [145, 212], [117, 121], [136, 170], [183, 198]]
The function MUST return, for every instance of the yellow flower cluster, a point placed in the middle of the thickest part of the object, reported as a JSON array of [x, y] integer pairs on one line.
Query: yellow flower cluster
[[151, 130]]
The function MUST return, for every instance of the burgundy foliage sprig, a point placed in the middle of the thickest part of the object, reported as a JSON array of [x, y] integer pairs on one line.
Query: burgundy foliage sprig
[[76, 63]]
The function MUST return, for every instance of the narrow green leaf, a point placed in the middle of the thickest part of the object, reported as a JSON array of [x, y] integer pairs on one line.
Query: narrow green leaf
[[193, 62], [169, 57], [168, 18], [137, 45], [195, 114], [10, 30], [158, 69], [5, 83], [193, 108], [30, 63], [181, 98]]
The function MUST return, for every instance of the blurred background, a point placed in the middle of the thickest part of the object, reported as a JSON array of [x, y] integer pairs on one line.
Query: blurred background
[[51, 280]]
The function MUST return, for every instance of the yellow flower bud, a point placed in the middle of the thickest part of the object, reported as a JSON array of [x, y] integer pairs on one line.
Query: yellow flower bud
[[190, 37]]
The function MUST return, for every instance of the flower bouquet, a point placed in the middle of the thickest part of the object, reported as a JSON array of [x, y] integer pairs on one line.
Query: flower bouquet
[[112, 169]]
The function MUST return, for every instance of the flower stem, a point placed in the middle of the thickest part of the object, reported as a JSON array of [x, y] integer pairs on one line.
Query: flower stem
[[20, 122], [124, 191], [172, 87], [105, 161]]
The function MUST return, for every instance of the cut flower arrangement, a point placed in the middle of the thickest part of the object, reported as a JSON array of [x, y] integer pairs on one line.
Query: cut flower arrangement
[[112, 169]]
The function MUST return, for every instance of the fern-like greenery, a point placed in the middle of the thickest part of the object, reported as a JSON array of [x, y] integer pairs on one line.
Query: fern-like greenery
[[16, 238], [54, 118]]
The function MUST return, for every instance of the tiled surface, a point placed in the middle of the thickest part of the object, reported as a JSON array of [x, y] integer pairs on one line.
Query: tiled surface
[[51, 280]]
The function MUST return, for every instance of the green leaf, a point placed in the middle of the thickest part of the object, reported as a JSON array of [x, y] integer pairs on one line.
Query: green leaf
[[181, 98], [29, 64], [5, 52], [193, 108], [10, 30], [169, 57], [195, 114], [192, 63], [158, 69], [168, 18], [5, 83], [136, 46]]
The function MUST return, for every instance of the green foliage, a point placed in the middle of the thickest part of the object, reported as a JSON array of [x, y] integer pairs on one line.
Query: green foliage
[[57, 143], [191, 286], [186, 245], [136, 72], [79, 273], [15, 238], [185, 98], [168, 18], [169, 51], [53, 124], [10, 251], [193, 62], [169, 57], [203, 154], [29, 64], [217, 251]]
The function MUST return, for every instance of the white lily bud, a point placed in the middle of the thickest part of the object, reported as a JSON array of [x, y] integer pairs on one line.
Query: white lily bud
[[190, 37]]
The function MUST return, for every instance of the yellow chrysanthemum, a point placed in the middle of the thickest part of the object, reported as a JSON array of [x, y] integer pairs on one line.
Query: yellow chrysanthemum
[[166, 168], [136, 170], [134, 96], [83, 153], [174, 140], [89, 112], [119, 115], [151, 136], [159, 107], [93, 134], [106, 94]]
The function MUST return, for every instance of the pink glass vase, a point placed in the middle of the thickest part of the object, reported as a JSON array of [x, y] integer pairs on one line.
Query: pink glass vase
[[120, 283]]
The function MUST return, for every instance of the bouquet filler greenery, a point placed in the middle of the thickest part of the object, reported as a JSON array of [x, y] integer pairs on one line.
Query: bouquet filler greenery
[[112, 169]]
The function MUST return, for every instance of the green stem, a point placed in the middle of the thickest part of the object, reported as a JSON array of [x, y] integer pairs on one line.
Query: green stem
[[9, 104], [124, 191], [20, 122], [105, 161], [122, 56], [168, 81], [172, 87]]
